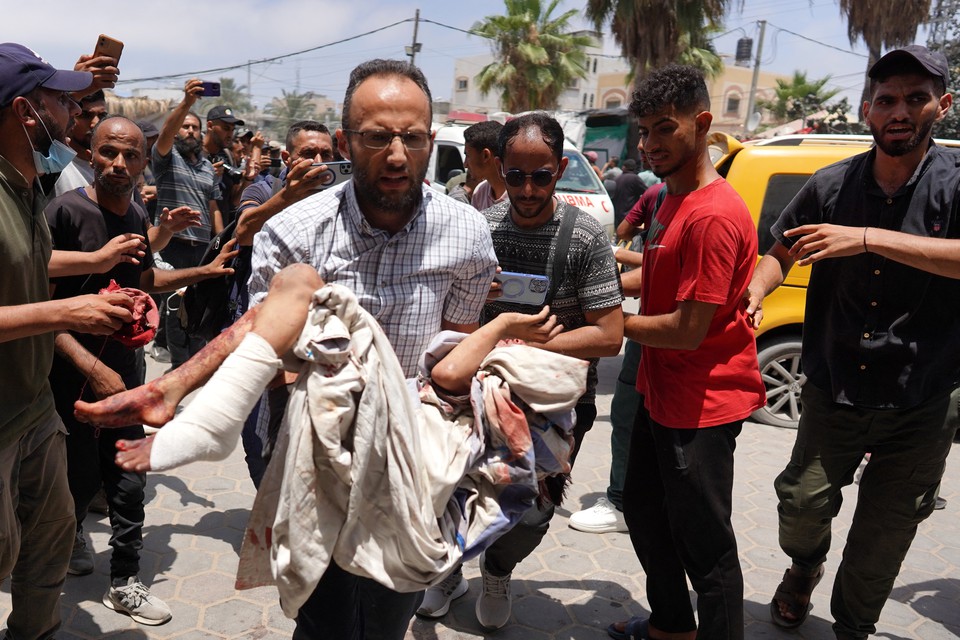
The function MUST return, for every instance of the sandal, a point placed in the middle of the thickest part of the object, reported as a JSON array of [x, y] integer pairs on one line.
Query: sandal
[[636, 628], [792, 588]]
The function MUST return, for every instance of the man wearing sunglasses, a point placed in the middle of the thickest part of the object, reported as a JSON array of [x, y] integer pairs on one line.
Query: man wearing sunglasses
[[417, 260], [586, 298]]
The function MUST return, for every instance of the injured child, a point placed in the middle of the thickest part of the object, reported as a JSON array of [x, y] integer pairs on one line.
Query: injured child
[[396, 480]]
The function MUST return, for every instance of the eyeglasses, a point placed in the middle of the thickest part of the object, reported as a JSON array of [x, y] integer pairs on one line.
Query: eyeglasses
[[381, 139], [540, 177]]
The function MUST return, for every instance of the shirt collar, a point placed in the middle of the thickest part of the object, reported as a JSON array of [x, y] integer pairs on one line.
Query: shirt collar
[[933, 151], [348, 191]]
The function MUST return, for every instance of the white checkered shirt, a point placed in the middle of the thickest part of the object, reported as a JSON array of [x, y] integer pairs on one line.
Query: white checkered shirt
[[438, 267]]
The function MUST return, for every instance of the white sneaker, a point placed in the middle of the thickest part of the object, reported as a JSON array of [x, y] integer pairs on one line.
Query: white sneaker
[[134, 600], [493, 605], [602, 517], [437, 599]]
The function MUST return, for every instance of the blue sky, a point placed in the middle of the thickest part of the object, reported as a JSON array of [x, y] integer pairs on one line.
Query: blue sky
[[175, 36]]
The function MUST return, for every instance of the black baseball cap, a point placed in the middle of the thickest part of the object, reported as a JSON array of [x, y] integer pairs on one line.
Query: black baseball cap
[[224, 114], [22, 70], [934, 62], [149, 129]]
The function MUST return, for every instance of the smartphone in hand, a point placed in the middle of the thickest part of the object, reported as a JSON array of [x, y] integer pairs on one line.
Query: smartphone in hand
[[210, 89]]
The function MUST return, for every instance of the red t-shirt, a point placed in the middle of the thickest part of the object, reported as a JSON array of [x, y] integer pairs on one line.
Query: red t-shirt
[[639, 213], [701, 246]]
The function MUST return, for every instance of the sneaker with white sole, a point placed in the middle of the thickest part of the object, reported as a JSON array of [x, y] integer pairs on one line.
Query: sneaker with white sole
[[437, 599], [81, 560], [602, 517], [131, 597], [493, 605]]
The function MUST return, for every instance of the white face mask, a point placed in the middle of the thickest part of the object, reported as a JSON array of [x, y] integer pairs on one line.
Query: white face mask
[[58, 157]]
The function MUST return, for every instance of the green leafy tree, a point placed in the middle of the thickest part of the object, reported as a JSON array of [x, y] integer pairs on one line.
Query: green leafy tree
[[290, 108], [945, 37], [536, 58], [231, 95], [882, 23], [654, 33], [798, 97]]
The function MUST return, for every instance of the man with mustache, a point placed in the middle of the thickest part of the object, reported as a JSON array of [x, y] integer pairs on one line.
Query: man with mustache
[[881, 343], [417, 260], [185, 177], [92, 367]]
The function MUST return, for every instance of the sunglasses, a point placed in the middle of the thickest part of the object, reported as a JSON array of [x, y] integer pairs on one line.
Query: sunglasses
[[540, 177]]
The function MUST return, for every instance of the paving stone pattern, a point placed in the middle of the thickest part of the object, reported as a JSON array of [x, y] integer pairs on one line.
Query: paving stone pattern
[[570, 589]]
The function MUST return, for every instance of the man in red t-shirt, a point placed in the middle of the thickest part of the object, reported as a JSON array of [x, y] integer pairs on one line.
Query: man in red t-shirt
[[698, 373]]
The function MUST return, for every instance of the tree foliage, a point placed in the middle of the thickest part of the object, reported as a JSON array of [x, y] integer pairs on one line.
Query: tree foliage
[[883, 23], [798, 97], [536, 58], [654, 33], [290, 108]]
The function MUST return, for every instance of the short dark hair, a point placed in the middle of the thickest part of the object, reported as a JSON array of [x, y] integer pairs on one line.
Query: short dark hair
[[192, 113], [96, 96], [907, 66], [483, 135], [114, 116], [550, 131], [381, 67], [304, 125], [679, 86]]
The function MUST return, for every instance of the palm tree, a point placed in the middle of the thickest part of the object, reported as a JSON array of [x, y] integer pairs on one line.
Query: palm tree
[[798, 97], [883, 23], [653, 33], [536, 56], [290, 108]]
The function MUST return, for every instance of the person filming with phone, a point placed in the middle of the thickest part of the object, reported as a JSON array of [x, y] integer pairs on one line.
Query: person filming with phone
[[185, 177]]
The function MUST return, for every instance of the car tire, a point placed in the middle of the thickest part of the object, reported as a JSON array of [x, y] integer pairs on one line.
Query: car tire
[[783, 378]]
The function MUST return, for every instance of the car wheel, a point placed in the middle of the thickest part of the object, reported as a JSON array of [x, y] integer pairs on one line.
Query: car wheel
[[783, 378]]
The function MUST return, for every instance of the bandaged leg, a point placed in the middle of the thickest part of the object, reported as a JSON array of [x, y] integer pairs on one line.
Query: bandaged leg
[[209, 427]]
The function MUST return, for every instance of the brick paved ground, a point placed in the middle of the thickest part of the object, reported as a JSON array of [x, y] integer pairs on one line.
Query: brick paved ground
[[570, 589]]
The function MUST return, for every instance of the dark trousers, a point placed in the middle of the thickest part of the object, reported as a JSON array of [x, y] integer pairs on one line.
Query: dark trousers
[[677, 502], [623, 412], [180, 255], [348, 607], [91, 464], [512, 547], [908, 450]]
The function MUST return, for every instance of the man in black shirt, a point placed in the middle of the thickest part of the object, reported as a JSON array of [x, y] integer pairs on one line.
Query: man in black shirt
[[881, 343], [95, 367]]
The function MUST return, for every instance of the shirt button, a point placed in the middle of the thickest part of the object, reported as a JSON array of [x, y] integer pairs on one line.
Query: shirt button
[[873, 304], [889, 200], [866, 335], [863, 367], [876, 272]]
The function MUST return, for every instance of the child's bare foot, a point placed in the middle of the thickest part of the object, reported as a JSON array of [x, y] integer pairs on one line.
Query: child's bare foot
[[134, 455]]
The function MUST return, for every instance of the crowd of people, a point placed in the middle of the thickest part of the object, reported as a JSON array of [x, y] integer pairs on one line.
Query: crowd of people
[[400, 412]]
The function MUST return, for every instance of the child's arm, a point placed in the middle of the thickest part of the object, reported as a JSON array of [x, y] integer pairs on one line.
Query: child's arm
[[454, 372]]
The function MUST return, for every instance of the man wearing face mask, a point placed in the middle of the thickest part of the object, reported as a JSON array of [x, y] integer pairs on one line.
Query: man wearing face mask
[[79, 173], [36, 511]]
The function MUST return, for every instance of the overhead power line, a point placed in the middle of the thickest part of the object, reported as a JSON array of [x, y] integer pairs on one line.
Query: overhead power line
[[263, 60], [823, 44]]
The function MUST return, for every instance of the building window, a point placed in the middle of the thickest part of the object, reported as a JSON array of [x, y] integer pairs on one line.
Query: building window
[[733, 105], [613, 103], [584, 101], [594, 65], [591, 101], [461, 84]]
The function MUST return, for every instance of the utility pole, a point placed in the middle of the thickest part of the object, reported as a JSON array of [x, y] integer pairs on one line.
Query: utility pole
[[752, 98], [249, 83], [414, 49]]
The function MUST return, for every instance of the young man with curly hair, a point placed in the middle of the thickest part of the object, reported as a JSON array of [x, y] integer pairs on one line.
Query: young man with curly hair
[[698, 374]]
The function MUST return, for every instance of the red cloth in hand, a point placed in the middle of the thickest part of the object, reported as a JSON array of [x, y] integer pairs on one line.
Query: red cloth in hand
[[146, 317]]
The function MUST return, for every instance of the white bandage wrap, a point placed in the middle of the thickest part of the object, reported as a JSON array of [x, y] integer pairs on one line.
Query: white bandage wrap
[[209, 427]]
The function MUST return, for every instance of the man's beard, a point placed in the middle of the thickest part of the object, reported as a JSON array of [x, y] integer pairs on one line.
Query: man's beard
[[368, 192], [111, 187], [187, 147], [902, 147]]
